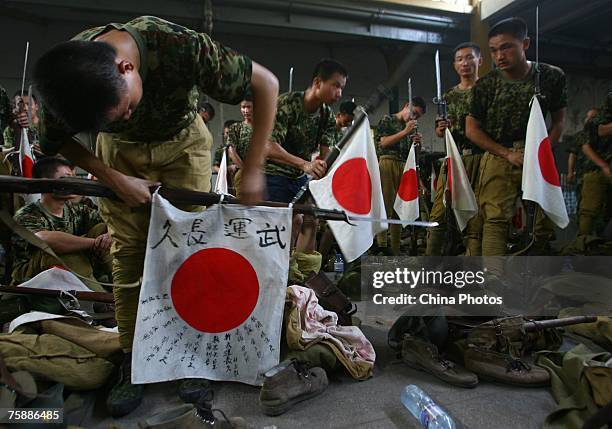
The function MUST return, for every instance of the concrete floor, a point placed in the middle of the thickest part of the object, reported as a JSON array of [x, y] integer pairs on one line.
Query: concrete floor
[[369, 404]]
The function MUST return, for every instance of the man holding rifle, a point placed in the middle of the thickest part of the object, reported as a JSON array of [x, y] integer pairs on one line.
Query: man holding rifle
[[497, 122], [466, 62], [142, 80]]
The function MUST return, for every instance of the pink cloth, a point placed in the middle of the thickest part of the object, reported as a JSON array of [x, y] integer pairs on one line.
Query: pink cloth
[[319, 324]]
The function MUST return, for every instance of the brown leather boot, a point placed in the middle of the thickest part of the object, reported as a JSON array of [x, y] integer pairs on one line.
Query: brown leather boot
[[490, 365], [289, 383], [186, 416], [420, 354]]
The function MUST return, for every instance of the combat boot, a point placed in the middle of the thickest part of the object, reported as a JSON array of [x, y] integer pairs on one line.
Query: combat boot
[[423, 355], [494, 366], [124, 397], [187, 416], [289, 383]]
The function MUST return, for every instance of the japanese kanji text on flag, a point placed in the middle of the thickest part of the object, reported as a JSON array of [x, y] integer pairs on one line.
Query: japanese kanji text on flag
[[211, 302], [540, 177], [352, 184]]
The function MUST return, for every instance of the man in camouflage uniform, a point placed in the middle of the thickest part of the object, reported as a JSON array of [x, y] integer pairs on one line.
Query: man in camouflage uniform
[[597, 179], [11, 133], [238, 140], [304, 124], [142, 81], [394, 136], [467, 60], [577, 162], [498, 122], [73, 230]]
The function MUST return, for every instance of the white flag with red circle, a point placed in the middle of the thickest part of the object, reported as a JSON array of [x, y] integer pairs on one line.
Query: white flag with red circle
[[540, 177], [221, 186], [463, 199], [213, 292], [26, 163], [407, 199], [352, 184]]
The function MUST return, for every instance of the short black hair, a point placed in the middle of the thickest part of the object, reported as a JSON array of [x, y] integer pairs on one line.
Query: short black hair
[[206, 106], [464, 45], [347, 108], [420, 102], [18, 94], [229, 123], [516, 27], [326, 68], [46, 167], [79, 83]]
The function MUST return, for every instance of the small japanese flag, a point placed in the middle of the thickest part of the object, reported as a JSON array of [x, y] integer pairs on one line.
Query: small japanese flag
[[26, 163], [353, 185], [407, 199], [221, 183], [463, 199], [540, 177]]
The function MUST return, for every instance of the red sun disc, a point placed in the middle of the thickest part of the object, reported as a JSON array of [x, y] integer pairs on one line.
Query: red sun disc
[[352, 186], [215, 290], [408, 189], [547, 163]]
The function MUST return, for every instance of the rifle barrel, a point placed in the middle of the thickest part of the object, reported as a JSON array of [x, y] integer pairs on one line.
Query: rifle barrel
[[539, 325]]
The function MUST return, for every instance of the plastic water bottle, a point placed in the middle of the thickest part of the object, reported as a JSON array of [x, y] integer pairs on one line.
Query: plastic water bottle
[[339, 264], [424, 409]]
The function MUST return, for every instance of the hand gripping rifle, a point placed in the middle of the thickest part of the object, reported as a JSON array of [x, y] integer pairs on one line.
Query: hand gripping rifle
[[453, 235], [382, 92]]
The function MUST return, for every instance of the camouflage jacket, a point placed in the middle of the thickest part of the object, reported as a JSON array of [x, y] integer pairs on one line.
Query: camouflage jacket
[[78, 219], [9, 136], [6, 111], [502, 106], [175, 63], [299, 132], [388, 126], [459, 101], [574, 145], [239, 136], [601, 145]]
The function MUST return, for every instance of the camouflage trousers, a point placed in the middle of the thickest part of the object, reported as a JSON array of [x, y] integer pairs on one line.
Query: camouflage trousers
[[391, 170], [182, 162], [473, 231], [86, 263], [594, 196], [498, 188]]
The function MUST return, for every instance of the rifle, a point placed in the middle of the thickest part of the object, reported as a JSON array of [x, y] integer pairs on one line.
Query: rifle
[[453, 235], [75, 186], [79, 295], [540, 325]]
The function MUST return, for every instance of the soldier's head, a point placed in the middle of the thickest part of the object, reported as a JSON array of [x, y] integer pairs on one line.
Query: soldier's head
[[226, 126], [419, 108], [590, 115], [508, 43], [467, 59], [328, 80], [18, 99], [86, 85], [206, 111], [53, 167], [246, 108], [345, 115]]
